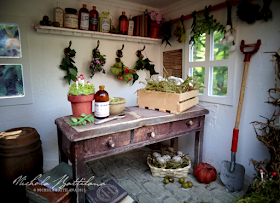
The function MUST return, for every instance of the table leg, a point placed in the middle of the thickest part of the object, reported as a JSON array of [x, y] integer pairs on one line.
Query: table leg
[[77, 149], [174, 143], [198, 150], [62, 157]]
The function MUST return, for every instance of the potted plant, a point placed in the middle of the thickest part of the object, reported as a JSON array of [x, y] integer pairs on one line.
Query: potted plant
[[155, 24], [81, 96]]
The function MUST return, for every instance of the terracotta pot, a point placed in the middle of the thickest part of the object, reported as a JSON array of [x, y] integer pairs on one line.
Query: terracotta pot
[[154, 29], [81, 104]]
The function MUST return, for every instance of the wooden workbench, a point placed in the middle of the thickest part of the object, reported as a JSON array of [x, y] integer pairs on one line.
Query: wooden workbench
[[139, 128]]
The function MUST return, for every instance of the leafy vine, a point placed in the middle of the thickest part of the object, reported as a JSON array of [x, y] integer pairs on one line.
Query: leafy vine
[[203, 23], [68, 64]]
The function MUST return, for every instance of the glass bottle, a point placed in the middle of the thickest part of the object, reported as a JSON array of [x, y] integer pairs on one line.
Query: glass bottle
[[58, 15], [104, 22], [93, 19], [102, 109], [123, 24], [130, 26], [83, 18]]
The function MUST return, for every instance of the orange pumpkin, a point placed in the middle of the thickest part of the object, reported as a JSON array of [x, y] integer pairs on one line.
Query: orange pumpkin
[[205, 173]]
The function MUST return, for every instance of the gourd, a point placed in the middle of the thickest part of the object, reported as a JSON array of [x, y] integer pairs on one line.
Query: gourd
[[205, 173]]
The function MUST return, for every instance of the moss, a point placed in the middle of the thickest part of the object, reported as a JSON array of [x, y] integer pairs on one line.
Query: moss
[[86, 90]]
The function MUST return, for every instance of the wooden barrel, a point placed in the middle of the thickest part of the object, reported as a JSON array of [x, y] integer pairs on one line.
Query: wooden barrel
[[20, 157]]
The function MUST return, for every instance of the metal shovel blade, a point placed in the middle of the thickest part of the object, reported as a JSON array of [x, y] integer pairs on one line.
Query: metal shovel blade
[[232, 180]]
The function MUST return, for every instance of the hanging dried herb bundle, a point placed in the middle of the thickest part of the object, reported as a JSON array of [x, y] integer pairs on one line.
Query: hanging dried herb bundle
[[203, 23], [143, 64], [68, 64]]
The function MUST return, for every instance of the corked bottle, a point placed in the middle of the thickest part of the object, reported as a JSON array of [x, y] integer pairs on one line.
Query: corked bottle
[[123, 24], [84, 18], [93, 19], [102, 109]]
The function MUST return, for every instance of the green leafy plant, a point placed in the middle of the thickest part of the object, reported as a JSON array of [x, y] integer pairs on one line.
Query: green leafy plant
[[143, 65], [68, 64], [165, 33], [81, 120], [203, 23]]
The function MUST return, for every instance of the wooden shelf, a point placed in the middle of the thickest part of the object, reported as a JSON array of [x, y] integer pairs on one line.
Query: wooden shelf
[[93, 34]]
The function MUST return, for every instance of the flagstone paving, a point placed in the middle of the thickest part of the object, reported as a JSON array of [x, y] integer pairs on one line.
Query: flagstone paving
[[131, 172]]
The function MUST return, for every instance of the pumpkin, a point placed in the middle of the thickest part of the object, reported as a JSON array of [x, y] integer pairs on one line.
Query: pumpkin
[[205, 173]]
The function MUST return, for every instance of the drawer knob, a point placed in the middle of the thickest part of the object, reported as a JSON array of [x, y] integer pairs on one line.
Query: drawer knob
[[189, 123], [111, 143], [151, 134]]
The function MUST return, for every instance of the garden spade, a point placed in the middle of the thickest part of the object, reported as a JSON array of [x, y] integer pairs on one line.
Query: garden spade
[[232, 174]]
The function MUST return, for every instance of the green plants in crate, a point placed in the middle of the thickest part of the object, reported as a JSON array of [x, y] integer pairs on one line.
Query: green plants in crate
[[97, 62], [120, 70], [203, 23], [172, 84], [68, 64]]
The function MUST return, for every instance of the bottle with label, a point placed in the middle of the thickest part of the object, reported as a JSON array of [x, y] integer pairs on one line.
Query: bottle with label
[[104, 22], [130, 26], [93, 19], [123, 24], [84, 18], [102, 109], [70, 18], [58, 15]]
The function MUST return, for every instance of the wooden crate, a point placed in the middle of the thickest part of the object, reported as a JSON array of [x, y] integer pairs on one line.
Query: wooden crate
[[167, 102]]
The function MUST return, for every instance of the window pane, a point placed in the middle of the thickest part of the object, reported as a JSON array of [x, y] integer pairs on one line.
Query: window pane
[[220, 80], [199, 72], [198, 49], [220, 52]]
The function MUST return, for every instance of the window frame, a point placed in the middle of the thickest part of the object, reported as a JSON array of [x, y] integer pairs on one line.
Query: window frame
[[209, 64]]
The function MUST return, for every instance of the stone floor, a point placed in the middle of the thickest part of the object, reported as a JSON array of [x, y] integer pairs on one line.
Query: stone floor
[[130, 171]]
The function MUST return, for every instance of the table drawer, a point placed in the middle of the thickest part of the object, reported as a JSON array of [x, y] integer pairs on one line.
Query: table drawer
[[184, 125], [150, 132], [107, 142]]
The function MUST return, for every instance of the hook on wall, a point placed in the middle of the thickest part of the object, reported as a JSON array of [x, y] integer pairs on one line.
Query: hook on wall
[[119, 52], [139, 54], [67, 50], [93, 51]]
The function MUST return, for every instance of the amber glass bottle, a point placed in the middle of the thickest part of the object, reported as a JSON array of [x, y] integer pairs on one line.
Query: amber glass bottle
[[93, 19], [102, 109], [83, 18], [123, 24]]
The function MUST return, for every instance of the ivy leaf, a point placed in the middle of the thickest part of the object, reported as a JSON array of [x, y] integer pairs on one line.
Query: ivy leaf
[[73, 71], [74, 119], [84, 122], [83, 115], [63, 67]]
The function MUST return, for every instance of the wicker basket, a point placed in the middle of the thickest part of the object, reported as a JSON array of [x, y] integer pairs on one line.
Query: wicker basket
[[162, 172]]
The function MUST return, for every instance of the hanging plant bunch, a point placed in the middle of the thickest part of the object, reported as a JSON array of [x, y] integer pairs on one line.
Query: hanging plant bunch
[[249, 12], [203, 23], [143, 65], [180, 31], [120, 70], [165, 33], [97, 62], [68, 64], [228, 35]]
